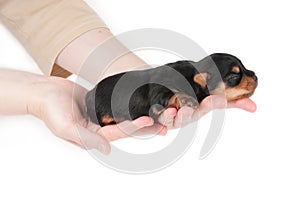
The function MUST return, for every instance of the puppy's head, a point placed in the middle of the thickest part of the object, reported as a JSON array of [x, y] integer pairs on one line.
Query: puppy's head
[[225, 74]]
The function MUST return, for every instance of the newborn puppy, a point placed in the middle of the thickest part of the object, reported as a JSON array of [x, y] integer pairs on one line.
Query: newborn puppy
[[127, 96]]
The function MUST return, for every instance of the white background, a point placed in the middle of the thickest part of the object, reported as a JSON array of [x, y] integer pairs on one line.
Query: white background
[[257, 155]]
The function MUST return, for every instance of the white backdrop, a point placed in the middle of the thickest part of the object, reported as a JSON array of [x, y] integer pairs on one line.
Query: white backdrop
[[257, 155]]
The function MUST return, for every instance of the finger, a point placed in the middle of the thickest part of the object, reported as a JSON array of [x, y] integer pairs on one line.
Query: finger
[[87, 139], [211, 102], [167, 117], [183, 117], [156, 129], [126, 128], [245, 104], [129, 127]]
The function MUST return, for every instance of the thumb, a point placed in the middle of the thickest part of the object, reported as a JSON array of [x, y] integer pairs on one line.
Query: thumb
[[91, 140]]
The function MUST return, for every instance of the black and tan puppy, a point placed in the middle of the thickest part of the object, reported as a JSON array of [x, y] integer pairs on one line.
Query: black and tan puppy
[[127, 96]]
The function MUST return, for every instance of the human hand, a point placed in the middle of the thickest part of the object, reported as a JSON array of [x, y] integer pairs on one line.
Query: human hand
[[171, 118], [62, 108]]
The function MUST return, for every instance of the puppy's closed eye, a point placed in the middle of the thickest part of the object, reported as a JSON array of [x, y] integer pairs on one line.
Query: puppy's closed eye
[[233, 79]]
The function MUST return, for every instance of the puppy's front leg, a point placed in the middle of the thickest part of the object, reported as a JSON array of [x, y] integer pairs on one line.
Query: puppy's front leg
[[162, 98], [180, 99]]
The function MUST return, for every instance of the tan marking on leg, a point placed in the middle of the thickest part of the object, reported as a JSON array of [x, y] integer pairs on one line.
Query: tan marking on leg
[[106, 120], [201, 79]]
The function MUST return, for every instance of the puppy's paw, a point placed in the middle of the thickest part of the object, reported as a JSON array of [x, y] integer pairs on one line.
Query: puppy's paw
[[179, 100]]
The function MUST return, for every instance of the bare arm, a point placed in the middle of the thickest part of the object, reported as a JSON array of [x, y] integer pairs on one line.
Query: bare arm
[[17, 94]]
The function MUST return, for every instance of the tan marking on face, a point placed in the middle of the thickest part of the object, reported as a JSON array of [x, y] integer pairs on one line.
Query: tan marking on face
[[201, 79], [234, 94], [235, 69], [244, 89]]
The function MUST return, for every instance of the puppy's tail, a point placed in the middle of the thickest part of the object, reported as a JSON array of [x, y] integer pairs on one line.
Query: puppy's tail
[[91, 105]]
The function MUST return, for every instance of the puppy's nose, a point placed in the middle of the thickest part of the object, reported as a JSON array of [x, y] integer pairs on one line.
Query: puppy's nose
[[254, 77]]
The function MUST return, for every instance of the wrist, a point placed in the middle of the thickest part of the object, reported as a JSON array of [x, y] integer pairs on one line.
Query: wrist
[[19, 92], [38, 93]]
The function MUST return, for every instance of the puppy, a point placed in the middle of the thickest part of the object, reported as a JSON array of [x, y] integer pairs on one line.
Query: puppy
[[127, 96]]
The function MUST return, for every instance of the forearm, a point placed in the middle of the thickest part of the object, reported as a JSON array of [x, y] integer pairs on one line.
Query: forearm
[[18, 94], [73, 56]]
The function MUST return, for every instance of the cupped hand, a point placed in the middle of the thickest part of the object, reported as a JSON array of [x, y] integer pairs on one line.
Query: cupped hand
[[62, 108]]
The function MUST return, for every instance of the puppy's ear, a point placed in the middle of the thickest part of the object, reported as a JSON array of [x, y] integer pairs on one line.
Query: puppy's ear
[[201, 79]]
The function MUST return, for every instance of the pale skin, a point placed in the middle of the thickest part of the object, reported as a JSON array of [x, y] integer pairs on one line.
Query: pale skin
[[52, 99]]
